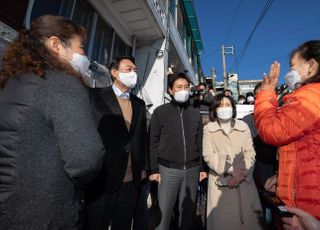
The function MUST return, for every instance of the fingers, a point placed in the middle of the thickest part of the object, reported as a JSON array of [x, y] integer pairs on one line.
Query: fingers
[[270, 82], [155, 177], [268, 184], [238, 173], [298, 212], [240, 176], [274, 73], [264, 79], [233, 182], [277, 70], [268, 187], [291, 223], [271, 183], [287, 220]]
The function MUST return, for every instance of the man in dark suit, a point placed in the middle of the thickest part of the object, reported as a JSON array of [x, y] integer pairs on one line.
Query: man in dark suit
[[121, 121]]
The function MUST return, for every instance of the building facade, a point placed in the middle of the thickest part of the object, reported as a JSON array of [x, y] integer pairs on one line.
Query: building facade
[[246, 86], [158, 33]]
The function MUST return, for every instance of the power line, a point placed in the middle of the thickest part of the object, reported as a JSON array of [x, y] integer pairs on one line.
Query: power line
[[265, 61], [233, 20], [210, 53], [289, 33], [244, 48]]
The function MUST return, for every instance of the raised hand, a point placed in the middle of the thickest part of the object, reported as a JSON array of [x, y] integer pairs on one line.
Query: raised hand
[[270, 82]]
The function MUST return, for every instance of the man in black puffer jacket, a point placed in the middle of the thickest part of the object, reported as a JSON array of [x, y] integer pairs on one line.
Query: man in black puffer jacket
[[176, 152]]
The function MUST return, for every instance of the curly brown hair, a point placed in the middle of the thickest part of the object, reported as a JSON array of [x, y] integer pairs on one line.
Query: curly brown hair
[[29, 53]]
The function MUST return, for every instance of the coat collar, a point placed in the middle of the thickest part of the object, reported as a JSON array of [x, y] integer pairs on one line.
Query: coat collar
[[236, 125], [109, 98]]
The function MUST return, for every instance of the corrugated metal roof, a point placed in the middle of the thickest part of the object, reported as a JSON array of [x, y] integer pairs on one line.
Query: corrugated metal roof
[[190, 10]]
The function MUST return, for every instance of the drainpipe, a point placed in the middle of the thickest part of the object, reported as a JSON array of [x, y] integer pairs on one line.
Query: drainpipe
[[27, 17]]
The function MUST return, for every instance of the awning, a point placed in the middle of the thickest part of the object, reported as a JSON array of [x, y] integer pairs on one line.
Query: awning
[[190, 10]]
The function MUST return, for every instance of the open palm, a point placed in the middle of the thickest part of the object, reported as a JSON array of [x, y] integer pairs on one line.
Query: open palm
[[270, 82]]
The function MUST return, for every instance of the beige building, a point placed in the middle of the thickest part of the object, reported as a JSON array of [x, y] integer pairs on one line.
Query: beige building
[[245, 86]]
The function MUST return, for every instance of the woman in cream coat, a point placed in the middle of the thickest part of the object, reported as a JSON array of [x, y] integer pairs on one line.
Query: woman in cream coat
[[233, 201]]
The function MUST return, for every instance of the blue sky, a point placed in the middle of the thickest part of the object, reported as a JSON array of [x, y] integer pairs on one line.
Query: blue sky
[[287, 24]]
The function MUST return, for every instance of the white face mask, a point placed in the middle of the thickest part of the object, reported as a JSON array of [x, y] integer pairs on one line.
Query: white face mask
[[292, 78], [128, 79], [181, 96], [241, 102], [80, 63], [250, 99], [224, 113]]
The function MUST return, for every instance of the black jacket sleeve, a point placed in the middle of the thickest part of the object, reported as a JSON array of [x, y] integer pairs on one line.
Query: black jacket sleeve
[[154, 143]]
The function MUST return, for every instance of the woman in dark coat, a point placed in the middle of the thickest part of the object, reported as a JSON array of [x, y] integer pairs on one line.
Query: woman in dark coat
[[49, 146]]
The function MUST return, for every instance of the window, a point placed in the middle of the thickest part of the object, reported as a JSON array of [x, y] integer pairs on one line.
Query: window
[[102, 43], [129, 51], [83, 15], [189, 44], [120, 48], [45, 7], [66, 8]]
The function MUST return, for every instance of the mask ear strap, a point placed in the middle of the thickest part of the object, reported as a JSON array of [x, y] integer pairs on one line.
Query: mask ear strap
[[64, 44]]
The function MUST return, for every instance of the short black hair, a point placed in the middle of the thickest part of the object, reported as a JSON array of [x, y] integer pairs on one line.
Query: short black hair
[[228, 90], [172, 79], [116, 62], [202, 84], [248, 94], [216, 102]]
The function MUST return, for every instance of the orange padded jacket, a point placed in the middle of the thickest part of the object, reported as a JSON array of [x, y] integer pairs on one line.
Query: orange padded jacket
[[295, 128]]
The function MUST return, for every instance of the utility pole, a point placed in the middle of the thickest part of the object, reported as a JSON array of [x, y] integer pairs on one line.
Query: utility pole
[[224, 67], [213, 77], [225, 50]]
